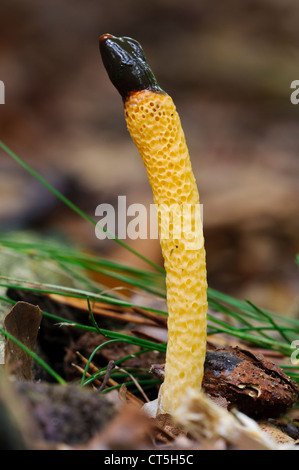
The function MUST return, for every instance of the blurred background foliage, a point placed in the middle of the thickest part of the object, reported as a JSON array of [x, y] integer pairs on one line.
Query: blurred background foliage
[[227, 65]]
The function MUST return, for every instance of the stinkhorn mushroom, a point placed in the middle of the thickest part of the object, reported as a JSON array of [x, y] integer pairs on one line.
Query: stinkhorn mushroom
[[155, 128]]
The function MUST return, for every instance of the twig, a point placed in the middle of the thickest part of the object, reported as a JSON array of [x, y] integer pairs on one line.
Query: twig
[[110, 367], [115, 313], [135, 382], [155, 317], [143, 335], [111, 382]]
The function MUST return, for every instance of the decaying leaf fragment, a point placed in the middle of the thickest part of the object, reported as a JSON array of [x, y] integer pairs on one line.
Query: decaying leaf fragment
[[206, 421], [22, 322], [242, 379]]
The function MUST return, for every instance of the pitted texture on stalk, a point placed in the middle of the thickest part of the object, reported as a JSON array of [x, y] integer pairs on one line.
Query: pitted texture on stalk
[[155, 127]]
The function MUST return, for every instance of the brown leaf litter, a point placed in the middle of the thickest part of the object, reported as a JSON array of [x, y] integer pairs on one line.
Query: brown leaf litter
[[243, 379], [22, 322], [243, 382]]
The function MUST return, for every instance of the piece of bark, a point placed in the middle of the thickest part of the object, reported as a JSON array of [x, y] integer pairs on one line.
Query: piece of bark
[[245, 380], [22, 322]]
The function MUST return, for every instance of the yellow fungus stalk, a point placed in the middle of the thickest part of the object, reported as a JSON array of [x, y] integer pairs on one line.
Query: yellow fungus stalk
[[155, 128]]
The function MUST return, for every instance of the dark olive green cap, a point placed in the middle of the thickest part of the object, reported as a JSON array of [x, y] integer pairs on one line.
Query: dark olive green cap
[[126, 65]]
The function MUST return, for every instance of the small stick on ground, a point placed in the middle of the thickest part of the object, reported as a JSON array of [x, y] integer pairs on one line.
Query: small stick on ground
[[110, 367], [110, 382]]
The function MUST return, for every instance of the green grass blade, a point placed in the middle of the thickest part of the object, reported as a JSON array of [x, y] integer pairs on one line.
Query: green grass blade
[[131, 383], [143, 343], [72, 206], [270, 319], [92, 356], [34, 356]]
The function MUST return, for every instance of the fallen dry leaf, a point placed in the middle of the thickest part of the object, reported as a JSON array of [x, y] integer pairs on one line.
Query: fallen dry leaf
[[22, 322]]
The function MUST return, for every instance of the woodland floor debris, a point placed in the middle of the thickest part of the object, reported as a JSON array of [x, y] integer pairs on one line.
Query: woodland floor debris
[[22, 322], [205, 420], [80, 418], [224, 374], [64, 414], [243, 379]]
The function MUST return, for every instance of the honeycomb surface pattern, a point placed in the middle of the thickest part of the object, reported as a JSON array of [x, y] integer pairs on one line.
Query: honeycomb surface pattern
[[156, 130]]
